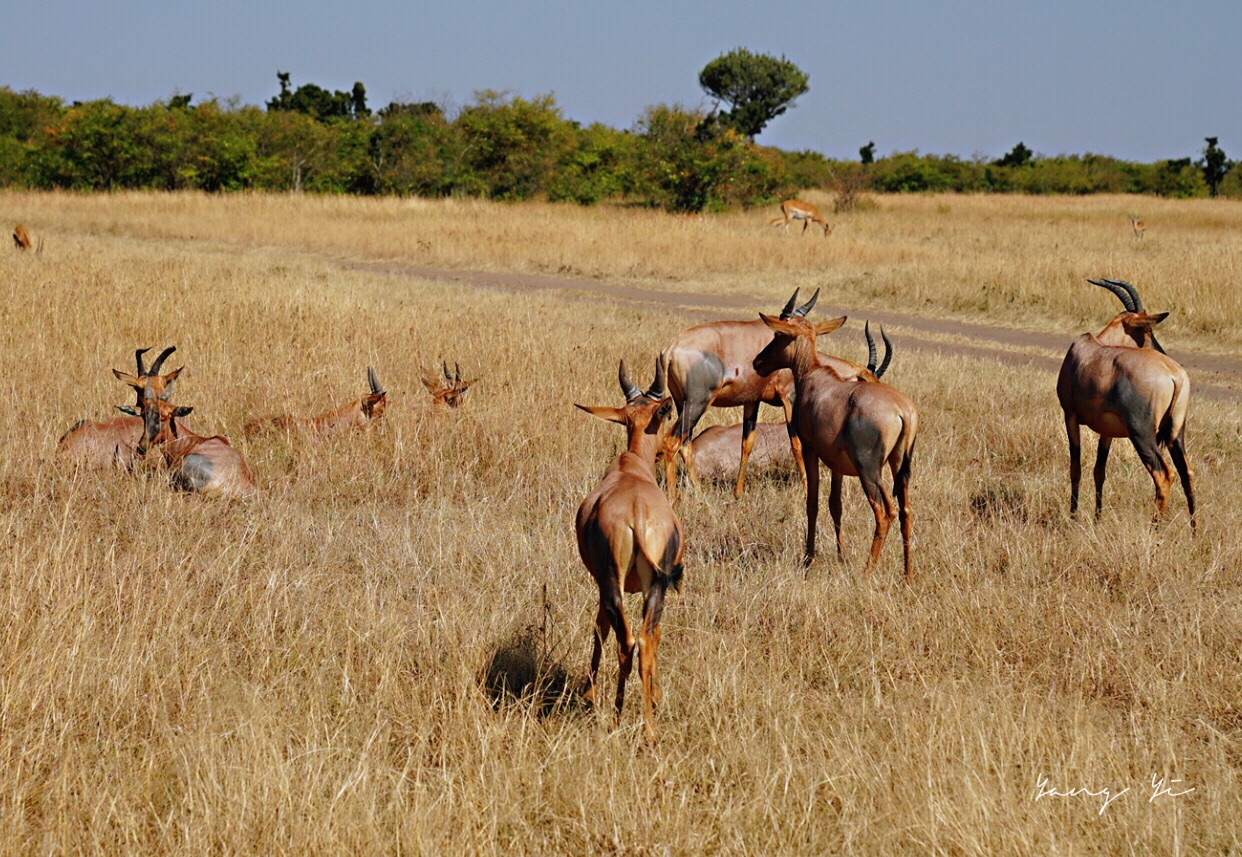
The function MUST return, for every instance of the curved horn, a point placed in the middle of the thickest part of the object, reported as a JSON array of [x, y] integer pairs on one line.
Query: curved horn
[[789, 307], [447, 376], [801, 311], [138, 359], [888, 354], [159, 361], [872, 357], [656, 390], [1138, 302], [627, 388], [1124, 296], [456, 372], [376, 388]]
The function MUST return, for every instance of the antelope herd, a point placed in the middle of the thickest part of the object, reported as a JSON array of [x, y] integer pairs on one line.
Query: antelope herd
[[1118, 382]]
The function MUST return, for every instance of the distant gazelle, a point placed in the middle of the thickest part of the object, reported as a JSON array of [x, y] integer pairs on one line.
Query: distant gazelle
[[793, 209], [857, 426], [630, 540], [1120, 383], [1139, 227]]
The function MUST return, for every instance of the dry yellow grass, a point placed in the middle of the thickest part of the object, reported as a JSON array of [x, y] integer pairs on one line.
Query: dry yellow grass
[[1011, 260], [301, 673]]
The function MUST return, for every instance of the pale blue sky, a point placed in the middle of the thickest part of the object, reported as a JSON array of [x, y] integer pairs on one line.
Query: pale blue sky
[[1133, 78]]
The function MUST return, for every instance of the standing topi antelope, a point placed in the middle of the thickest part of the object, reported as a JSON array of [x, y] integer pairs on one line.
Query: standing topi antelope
[[1120, 383], [203, 465], [710, 365], [630, 540], [450, 391], [717, 449], [111, 443], [358, 414], [854, 425]]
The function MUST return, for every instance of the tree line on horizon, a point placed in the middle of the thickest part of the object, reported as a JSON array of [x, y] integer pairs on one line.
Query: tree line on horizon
[[505, 147]]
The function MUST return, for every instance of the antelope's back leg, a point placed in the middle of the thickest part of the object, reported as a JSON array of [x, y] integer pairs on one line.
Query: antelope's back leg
[[834, 508], [1177, 449], [1101, 465], [1149, 452], [1074, 434], [653, 606], [901, 491]]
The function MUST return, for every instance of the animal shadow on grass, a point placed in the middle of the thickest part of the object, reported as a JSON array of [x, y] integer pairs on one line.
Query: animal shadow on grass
[[1000, 503], [524, 671]]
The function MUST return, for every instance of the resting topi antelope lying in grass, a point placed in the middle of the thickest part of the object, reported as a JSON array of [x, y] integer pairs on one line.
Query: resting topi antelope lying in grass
[[358, 415]]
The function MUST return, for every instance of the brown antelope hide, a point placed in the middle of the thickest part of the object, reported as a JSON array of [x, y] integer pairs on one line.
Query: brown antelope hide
[[1120, 383], [448, 392], [793, 209], [111, 443], [22, 238], [717, 450], [357, 415], [856, 426], [630, 540], [711, 365], [202, 465]]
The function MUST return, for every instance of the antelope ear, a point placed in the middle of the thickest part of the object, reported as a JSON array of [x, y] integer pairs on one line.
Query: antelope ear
[[776, 325], [830, 325], [1156, 318], [132, 380], [665, 409], [430, 383], [612, 415], [172, 376], [126, 409], [183, 411]]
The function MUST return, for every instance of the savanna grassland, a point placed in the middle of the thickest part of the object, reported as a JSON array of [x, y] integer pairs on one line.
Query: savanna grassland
[[319, 669]]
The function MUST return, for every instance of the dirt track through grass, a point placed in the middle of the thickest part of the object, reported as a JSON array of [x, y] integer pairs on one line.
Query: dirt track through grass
[[698, 308]]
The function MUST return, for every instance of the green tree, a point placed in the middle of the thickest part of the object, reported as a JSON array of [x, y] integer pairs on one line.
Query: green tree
[[867, 153], [1019, 156], [320, 103], [757, 87], [1214, 165]]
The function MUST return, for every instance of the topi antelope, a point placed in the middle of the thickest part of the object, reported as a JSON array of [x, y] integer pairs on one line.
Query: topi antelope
[[450, 391], [1139, 227], [711, 365], [203, 465], [793, 209], [854, 425], [717, 449], [1120, 383], [358, 414], [630, 540], [111, 443]]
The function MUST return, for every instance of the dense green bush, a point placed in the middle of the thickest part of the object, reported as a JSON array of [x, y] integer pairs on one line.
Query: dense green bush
[[500, 147]]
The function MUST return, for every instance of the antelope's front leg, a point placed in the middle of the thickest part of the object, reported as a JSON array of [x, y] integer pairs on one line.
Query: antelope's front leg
[[750, 416], [811, 460], [1073, 432]]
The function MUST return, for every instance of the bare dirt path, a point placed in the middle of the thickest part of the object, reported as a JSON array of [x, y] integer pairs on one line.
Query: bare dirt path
[[987, 342]]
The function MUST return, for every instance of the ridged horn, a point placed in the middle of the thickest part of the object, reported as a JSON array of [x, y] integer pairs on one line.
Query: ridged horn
[[159, 361], [447, 376], [801, 311], [1122, 295], [138, 359], [1138, 302], [376, 388], [627, 387], [789, 307], [872, 357], [888, 354], [656, 390], [456, 373]]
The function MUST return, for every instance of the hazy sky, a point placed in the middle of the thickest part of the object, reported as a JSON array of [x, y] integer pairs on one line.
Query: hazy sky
[[1138, 79]]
